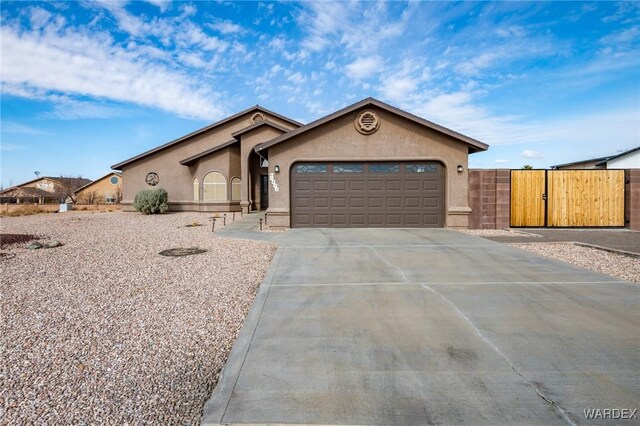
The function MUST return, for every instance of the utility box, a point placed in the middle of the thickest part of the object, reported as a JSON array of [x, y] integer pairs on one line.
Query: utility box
[[65, 207]]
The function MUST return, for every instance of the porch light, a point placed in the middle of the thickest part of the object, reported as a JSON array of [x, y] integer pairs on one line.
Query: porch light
[[460, 168], [276, 169]]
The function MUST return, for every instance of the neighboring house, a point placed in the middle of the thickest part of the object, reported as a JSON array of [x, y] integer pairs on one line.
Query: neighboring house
[[43, 190], [625, 160], [367, 165], [107, 189]]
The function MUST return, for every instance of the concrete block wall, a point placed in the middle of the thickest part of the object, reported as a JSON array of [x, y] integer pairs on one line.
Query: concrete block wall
[[489, 198], [632, 198]]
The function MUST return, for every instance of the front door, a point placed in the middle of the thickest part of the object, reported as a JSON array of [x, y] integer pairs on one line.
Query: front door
[[264, 192]]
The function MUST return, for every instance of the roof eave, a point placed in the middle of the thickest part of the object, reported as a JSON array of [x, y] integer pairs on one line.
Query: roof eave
[[119, 166]]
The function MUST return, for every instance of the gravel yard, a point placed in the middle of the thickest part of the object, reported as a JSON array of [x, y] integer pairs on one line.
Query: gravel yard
[[614, 264], [104, 330]]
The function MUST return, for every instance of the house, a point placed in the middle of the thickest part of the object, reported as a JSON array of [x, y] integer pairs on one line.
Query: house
[[43, 190], [367, 165], [629, 159], [107, 189]]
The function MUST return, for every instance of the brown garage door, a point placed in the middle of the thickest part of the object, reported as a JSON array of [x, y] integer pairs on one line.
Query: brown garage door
[[390, 194]]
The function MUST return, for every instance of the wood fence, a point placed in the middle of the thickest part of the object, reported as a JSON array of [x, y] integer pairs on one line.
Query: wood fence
[[567, 198]]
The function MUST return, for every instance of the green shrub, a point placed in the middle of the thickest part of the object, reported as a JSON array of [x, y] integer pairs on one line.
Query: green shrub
[[151, 201]]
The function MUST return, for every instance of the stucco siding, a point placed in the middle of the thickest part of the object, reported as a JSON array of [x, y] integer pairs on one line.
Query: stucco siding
[[396, 139], [99, 190], [178, 179]]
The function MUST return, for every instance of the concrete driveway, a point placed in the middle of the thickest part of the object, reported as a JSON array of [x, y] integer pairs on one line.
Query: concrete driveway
[[408, 326]]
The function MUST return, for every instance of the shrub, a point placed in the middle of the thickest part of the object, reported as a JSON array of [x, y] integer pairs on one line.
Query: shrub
[[151, 201]]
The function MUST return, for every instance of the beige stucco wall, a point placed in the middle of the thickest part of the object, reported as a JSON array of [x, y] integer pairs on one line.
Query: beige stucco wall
[[103, 189], [396, 139], [178, 179]]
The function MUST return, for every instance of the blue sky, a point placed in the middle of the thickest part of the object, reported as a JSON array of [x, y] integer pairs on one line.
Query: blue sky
[[88, 84]]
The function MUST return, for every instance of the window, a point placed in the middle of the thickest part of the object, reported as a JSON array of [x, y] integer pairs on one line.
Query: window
[[311, 168], [384, 168], [422, 168], [348, 168], [196, 190], [215, 187], [110, 199], [114, 180], [235, 189]]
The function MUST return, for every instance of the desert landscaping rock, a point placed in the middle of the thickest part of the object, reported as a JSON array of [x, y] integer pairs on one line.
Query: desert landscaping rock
[[103, 330], [34, 246], [614, 264], [52, 244]]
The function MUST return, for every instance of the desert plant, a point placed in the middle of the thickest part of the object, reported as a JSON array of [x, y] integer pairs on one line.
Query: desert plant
[[151, 201]]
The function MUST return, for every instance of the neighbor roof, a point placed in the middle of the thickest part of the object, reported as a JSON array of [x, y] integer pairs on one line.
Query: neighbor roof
[[600, 161], [97, 180], [622, 154], [579, 162], [71, 182], [474, 145], [202, 130], [17, 190]]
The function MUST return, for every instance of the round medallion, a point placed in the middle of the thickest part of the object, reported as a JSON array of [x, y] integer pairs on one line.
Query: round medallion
[[367, 122], [152, 179]]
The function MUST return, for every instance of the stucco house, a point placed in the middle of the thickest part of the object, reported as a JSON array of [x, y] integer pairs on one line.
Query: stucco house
[[106, 189], [367, 165], [44, 190]]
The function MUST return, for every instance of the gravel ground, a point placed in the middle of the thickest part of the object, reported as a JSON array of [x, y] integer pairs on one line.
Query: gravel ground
[[494, 232], [614, 264], [103, 330]]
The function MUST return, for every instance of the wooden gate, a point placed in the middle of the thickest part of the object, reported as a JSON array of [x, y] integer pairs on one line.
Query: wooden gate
[[567, 198], [528, 197]]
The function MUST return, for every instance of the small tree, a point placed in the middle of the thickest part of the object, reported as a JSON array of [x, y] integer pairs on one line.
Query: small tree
[[151, 201], [65, 186], [117, 194], [89, 197], [527, 167]]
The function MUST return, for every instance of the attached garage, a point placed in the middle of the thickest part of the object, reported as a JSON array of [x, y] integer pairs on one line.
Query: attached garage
[[367, 194]]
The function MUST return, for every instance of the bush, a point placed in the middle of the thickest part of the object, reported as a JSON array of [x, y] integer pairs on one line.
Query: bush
[[151, 201]]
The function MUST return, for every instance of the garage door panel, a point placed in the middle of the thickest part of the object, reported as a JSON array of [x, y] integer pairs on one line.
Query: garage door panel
[[339, 185], [374, 202], [375, 185], [338, 202], [356, 202], [394, 202], [320, 185], [377, 195], [302, 202], [357, 185], [394, 185], [357, 219], [321, 202]]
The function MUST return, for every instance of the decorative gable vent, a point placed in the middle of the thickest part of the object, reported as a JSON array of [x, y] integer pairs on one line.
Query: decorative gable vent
[[258, 116], [367, 122]]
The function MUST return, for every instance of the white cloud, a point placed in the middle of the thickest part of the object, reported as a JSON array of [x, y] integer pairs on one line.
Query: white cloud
[[226, 27], [397, 88], [13, 127], [163, 5], [364, 67], [501, 161], [297, 78], [72, 62], [66, 108], [531, 155]]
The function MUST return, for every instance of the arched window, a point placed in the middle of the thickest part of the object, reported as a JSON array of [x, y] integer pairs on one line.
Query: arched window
[[196, 190], [235, 189], [215, 187]]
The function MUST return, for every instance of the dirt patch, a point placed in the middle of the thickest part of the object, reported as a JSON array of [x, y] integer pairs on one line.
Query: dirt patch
[[11, 239]]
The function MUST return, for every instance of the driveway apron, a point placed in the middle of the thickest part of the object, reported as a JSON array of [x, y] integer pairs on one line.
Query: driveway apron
[[420, 326]]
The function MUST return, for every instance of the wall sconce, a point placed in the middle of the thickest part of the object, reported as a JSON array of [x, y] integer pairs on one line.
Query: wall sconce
[[276, 169], [460, 168]]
